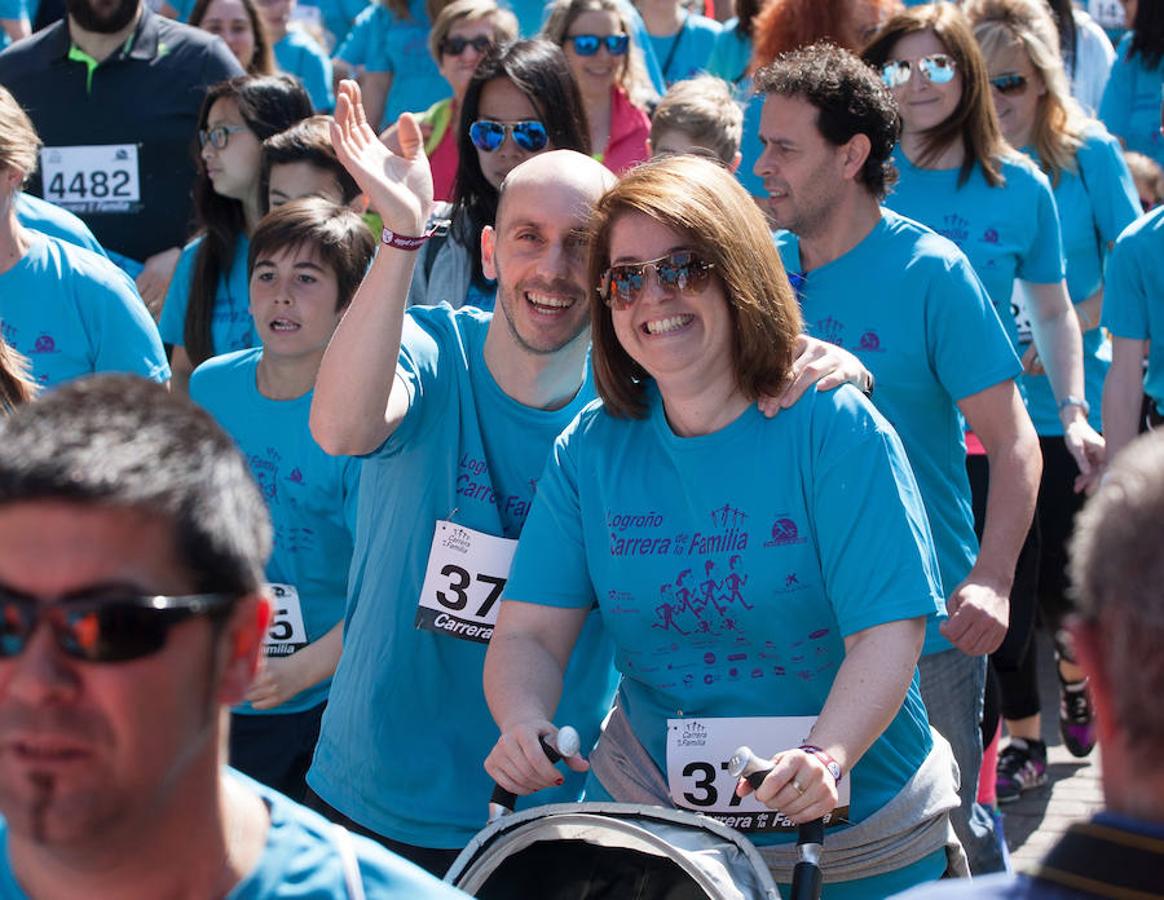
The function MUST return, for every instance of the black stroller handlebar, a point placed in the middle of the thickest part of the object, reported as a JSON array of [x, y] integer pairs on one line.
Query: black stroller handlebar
[[567, 744], [806, 876]]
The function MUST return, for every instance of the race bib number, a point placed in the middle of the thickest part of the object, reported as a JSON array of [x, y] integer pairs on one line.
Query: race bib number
[[1020, 309], [698, 751], [286, 633], [97, 179], [466, 574]]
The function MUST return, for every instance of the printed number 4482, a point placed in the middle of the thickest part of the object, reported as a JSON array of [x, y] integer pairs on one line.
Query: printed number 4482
[[456, 597]]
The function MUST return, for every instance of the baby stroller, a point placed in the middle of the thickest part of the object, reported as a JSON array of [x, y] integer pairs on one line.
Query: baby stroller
[[594, 851]]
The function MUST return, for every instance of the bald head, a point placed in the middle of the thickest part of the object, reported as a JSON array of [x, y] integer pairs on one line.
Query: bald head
[[571, 176]]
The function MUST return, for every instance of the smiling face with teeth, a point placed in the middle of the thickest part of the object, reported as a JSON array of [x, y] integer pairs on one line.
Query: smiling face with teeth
[[681, 338], [93, 749]]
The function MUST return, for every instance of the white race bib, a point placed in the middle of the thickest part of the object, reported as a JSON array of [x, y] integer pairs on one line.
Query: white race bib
[[698, 751], [466, 574], [286, 633], [1020, 309], [95, 179]]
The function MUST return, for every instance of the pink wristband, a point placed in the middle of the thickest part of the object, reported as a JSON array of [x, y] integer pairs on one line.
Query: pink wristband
[[409, 242], [831, 764]]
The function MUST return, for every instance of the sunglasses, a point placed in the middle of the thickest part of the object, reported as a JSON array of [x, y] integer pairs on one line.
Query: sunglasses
[[685, 270], [102, 630], [529, 134], [1011, 85], [588, 44], [938, 68], [455, 46], [219, 136]]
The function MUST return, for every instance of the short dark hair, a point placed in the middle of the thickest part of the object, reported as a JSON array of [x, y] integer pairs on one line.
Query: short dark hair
[[338, 235], [127, 443], [849, 99], [308, 141]]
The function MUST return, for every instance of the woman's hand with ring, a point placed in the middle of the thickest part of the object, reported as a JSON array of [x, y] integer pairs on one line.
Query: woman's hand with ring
[[799, 787]]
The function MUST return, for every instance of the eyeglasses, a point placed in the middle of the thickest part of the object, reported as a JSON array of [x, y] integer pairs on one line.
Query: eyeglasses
[[219, 136], [1010, 85], [938, 68], [455, 46], [529, 134], [588, 44], [683, 269], [102, 629]]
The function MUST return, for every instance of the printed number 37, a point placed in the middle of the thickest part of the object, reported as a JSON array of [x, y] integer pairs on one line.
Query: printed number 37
[[705, 782], [459, 579]]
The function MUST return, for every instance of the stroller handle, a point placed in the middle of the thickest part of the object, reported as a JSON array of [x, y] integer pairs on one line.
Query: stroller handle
[[568, 743], [806, 876]]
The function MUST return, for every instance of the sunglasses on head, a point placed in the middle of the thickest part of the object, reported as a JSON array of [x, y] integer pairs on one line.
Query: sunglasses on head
[[1010, 85], [529, 134], [588, 44], [684, 270], [219, 137], [102, 629], [455, 46], [937, 68]]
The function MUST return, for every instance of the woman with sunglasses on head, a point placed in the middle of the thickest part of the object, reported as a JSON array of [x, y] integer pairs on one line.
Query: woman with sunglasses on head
[[742, 606], [1096, 200], [461, 35], [238, 23], [959, 176], [206, 312], [1131, 107], [520, 101], [609, 72]]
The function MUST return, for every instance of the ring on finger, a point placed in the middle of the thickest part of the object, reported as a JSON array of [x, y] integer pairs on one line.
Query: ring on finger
[[796, 784]]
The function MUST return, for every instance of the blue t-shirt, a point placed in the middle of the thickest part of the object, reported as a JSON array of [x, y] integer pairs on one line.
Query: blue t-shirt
[[74, 313], [1133, 302], [1009, 232], [231, 326], [731, 54], [1131, 102], [50, 219], [1095, 204], [750, 146], [311, 496], [685, 53], [298, 54], [382, 42], [923, 325], [730, 567], [300, 861], [407, 703], [338, 16]]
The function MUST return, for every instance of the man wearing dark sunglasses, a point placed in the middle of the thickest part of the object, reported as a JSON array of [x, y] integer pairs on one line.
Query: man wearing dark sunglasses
[[132, 545], [907, 302]]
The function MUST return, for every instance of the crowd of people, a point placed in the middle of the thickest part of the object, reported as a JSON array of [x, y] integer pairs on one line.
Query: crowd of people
[[384, 386]]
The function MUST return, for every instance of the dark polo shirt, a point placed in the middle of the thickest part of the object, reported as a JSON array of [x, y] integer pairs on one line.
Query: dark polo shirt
[[118, 136]]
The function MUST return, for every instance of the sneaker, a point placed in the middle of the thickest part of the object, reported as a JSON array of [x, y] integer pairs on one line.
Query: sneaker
[[1075, 723], [1022, 766]]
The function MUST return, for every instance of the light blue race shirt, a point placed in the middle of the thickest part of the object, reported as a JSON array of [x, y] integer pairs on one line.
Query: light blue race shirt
[[400, 47], [1131, 102], [311, 496], [73, 313], [301, 860], [1133, 303], [923, 325], [298, 54], [731, 54], [686, 53], [338, 16], [231, 327], [1095, 204], [1007, 232], [730, 567], [48, 218], [406, 728]]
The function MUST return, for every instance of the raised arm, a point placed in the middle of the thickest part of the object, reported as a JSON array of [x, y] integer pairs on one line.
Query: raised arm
[[359, 400]]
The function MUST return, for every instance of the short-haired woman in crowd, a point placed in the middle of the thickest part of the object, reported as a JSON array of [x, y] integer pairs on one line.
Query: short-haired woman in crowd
[[608, 69], [742, 607], [205, 311]]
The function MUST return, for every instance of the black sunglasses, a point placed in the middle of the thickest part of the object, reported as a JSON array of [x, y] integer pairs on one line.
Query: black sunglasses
[[102, 629], [1009, 85], [685, 270], [455, 46]]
